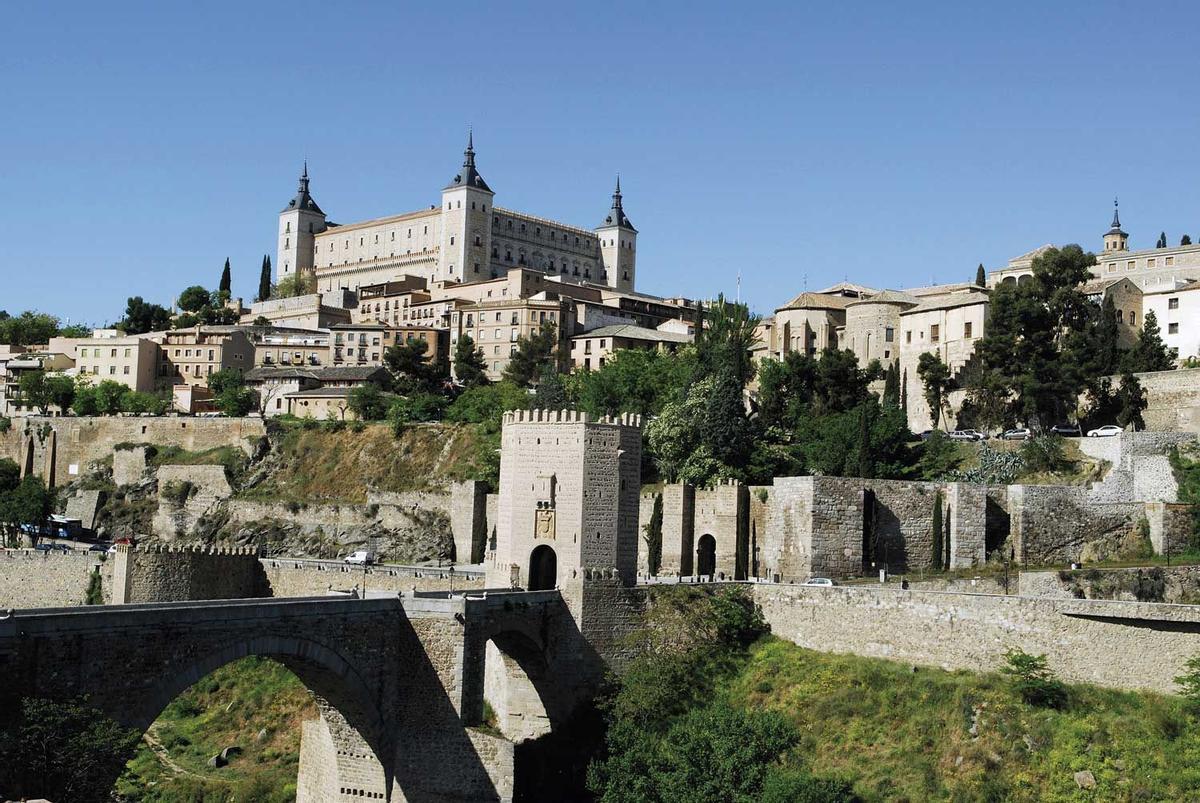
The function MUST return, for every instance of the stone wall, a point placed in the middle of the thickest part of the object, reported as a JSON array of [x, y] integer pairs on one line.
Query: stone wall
[[187, 494], [33, 579], [1126, 645], [468, 520], [1173, 584], [1060, 524], [176, 574], [1173, 399], [128, 465], [722, 512], [303, 578], [1171, 526], [60, 448], [1141, 469]]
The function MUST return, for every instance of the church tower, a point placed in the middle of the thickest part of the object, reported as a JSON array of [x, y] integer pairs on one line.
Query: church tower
[[618, 245], [299, 222], [466, 224], [1114, 238]]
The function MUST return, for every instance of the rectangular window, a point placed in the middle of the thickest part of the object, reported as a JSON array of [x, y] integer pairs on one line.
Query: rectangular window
[[908, 336], [126, 370], [934, 333], [1169, 261], [1172, 328], [1151, 262], [889, 334], [1172, 303], [1130, 265], [1112, 267], [967, 329]]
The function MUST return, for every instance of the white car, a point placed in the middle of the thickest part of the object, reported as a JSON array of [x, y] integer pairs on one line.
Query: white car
[[362, 557], [965, 435], [820, 582], [1018, 434], [1106, 431]]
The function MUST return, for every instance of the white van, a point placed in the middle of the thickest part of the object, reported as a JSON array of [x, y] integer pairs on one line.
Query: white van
[[363, 557]]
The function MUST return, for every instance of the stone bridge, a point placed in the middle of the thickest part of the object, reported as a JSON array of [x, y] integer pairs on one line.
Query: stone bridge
[[399, 682]]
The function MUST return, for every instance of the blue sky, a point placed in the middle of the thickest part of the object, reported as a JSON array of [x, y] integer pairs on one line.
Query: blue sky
[[797, 143]]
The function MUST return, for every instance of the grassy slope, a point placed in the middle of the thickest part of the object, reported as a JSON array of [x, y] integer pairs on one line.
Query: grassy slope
[[899, 735], [322, 465], [229, 707]]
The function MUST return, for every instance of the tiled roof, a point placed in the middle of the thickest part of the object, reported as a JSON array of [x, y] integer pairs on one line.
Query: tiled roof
[[817, 301], [887, 297], [347, 373], [950, 301], [631, 332]]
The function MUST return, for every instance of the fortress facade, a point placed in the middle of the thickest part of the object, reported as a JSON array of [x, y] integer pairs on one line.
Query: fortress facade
[[464, 238]]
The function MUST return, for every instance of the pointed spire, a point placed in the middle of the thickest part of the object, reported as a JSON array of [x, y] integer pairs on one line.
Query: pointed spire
[[1116, 221], [616, 215], [469, 176], [303, 200]]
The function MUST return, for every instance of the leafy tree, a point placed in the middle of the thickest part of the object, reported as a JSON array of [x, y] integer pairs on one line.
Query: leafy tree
[[10, 475], [63, 750], [415, 408], [652, 535], [295, 284], [27, 329], [724, 341], [224, 289], [230, 394], [891, 386], [141, 317], [105, 398], [935, 375], [28, 503], [1033, 679], [194, 299], [724, 428], [1185, 240], [551, 393], [1132, 398], [369, 403], [95, 591], [532, 354], [487, 403], [1189, 682], [938, 457], [1150, 353], [410, 367], [981, 276], [75, 330], [633, 381], [936, 531], [261, 321], [43, 391], [469, 365]]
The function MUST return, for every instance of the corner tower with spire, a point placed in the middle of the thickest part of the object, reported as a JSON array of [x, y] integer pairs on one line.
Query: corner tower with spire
[[466, 240], [1114, 238], [618, 245], [299, 223]]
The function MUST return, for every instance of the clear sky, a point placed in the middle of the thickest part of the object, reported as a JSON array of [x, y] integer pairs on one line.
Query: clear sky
[[799, 143]]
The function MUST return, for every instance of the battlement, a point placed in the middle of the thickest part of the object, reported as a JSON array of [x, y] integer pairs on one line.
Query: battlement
[[188, 549], [540, 416]]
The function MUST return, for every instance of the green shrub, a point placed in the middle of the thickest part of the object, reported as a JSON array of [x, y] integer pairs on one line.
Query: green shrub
[[1189, 681], [1033, 679], [788, 785], [1044, 453], [94, 594], [5, 424]]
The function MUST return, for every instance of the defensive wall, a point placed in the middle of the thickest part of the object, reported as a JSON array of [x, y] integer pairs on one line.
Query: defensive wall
[[59, 448], [1124, 645], [1172, 399], [33, 579]]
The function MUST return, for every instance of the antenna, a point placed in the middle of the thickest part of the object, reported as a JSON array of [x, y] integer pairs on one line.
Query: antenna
[[739, 287]]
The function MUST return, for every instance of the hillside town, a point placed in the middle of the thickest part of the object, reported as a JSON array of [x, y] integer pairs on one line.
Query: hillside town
[[474, 283]]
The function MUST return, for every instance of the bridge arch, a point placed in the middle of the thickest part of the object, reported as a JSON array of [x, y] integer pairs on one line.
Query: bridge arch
[[349, 753]]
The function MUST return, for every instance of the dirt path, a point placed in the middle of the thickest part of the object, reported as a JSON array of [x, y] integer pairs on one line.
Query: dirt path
[[164, 757]]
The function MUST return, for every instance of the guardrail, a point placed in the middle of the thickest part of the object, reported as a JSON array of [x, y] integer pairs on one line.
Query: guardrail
[[389, 569]]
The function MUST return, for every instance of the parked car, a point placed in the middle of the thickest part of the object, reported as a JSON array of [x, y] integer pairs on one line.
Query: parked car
[[1018, 434], [966, 435], [1106, 431], [1067, 430], [820, 582], [51, 546], [926, 435], [362, 557], [99, 547]]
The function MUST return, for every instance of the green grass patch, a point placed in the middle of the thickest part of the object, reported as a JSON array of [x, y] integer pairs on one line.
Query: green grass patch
[[255, 704], [897, 734]]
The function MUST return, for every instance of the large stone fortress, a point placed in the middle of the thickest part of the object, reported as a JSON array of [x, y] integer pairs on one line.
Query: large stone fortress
[[465, 238]]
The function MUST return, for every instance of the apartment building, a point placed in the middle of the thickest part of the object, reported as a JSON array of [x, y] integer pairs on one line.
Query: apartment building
[[591, 350], [191, 356], [108, 355]]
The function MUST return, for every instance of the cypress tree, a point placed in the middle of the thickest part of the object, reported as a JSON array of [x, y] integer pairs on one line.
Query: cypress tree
[[1185, 240], [946, 539], [937, 532], [653, 536], [226, 280], [891, 386], [866, 460], [1150, 353], [1162, 240], [264, 280], [981, 276], [94, 594]]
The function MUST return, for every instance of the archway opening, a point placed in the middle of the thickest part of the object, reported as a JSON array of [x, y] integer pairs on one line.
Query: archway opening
[[706, 556], [543, 569], [265, 715]]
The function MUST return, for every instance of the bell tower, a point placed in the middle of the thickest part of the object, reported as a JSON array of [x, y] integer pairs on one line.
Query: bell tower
[[1114, 238], [618, 245], [299, 223], [466, 245]]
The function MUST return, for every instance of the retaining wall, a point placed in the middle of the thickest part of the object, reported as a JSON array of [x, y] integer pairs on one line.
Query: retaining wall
[[33, 579], [1127, 645]]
